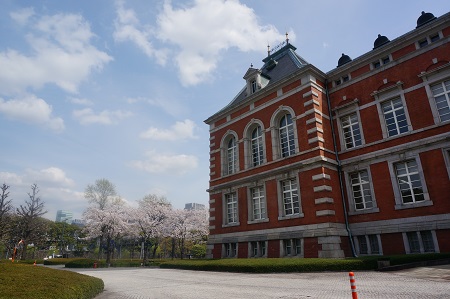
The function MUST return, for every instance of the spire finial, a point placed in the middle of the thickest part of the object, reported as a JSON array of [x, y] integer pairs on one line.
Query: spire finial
[[287, 38], [251, 64], [268, 50]]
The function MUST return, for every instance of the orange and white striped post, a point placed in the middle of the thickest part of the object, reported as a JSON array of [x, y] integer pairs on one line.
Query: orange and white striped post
[[353, 285]]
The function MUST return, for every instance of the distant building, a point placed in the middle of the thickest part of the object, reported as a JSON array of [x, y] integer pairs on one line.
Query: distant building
[[78, 222], [194, 206], [64, 216], [355, 161]]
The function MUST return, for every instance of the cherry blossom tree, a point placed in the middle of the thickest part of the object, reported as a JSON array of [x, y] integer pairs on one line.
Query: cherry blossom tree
[[187, 225], [150, 222], [108, 223], [107, 215]]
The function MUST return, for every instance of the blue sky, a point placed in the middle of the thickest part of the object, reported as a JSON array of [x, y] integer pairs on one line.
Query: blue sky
[[120, 89]]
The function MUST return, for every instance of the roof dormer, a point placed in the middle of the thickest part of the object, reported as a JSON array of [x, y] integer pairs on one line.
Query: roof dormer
[[255, 80]]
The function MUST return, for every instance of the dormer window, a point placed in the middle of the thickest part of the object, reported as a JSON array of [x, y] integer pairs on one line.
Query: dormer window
[[254, 86]]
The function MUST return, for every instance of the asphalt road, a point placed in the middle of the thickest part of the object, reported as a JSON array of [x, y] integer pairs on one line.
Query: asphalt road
[[430, 282]]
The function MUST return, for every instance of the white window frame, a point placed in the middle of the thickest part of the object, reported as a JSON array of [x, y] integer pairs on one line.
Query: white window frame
[[399, 205], [428, 40], [395, 114], [432, 77], [447, 98], [352, 205], [381, 62], [388, 94], [225, 154], [419, 237], [261, 249], [446, 153], [281, 205], [291, 243], [248, 144], [287, 130], [369, 247], [275, 132], [227, 221], [263, 205], [342, 131], [230, 250]]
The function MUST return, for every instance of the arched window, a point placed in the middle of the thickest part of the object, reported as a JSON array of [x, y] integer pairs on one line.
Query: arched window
[[257, 146], [286, 133], [231, 156]]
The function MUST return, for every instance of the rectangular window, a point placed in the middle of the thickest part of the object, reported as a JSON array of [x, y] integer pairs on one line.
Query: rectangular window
[[362, 195], [337, 82], [297, 246], [427, 241], [413, 242], [291, 203], [435, 37], [409, 181], [385, 59], [441, 94], [262, 248], [345, 78], [230, 249], [420, 242], [395, 117], [254, 86], [258, 203], [423, 43], [374, 246], [351, 130], [376, 64], [287, 247], [231, 208], [254, 248], [362, 242], [368, 244]]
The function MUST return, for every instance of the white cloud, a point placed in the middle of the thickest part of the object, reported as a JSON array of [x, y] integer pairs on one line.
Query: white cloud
[[22, 16], [31, 109], [81, 101], [180, 130], [200, 32], [62, 55], [166, 164], [128, 28], [56, 189], [51, 175], [87, 116]]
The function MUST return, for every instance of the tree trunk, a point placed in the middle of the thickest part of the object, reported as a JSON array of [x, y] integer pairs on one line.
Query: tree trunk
[[155, 247], [108, 250], [173, 248], [100, 247], [23, 256], [145, 251]]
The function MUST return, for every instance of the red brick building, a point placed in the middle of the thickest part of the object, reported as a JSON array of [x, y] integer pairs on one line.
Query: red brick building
[[353, 161]]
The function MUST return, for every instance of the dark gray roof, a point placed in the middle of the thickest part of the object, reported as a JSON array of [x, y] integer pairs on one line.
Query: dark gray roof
[[287, 62]]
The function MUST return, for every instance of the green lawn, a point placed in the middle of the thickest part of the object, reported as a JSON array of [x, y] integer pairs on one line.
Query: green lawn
[[21, 280]]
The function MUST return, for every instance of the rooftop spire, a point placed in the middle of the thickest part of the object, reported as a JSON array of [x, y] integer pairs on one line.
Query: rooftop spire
[[268, 50], [287, 38]]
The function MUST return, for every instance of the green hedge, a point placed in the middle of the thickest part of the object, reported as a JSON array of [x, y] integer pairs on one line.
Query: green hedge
[[89, 263], [264, 265], [18, 280], [270, 265]]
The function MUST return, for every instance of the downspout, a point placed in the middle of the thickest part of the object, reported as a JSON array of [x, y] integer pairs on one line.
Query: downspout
[[339, 169]]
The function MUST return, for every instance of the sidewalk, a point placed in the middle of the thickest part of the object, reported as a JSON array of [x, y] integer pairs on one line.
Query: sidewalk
[[436, 273]]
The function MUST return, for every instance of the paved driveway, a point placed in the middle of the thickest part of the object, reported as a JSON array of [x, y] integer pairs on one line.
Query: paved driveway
[[164, 283]]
